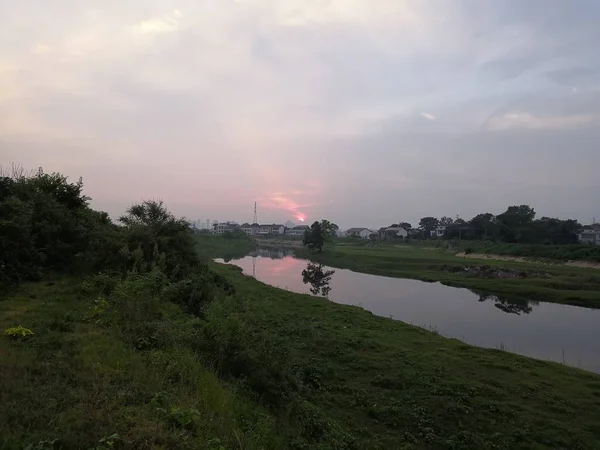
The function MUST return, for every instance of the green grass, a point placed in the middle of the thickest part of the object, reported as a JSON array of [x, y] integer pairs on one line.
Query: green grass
[[560, 253], [352, 380], [215, 246], [78, 380], [544, 282]]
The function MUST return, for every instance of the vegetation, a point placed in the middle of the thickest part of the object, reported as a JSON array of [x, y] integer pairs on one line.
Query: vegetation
[[530, 281], [318, 234], [347, 379], [516, 225], [130, 339]]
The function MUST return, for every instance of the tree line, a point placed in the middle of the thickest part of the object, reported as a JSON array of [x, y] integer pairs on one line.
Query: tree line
[[518, 224]]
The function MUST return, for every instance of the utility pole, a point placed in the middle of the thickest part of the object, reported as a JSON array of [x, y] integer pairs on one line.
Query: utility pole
[[255, 220]]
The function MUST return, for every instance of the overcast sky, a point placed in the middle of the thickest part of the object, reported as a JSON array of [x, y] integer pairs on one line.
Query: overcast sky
[[366, 112]]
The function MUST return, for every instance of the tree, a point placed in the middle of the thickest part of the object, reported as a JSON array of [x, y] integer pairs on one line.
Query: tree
[[445, 221], [329, 228], [407, 226], [314, 239], [428, 225], [483, 226], [515, 221]]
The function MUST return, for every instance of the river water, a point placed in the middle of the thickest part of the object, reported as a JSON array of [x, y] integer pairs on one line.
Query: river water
[[566, 334]]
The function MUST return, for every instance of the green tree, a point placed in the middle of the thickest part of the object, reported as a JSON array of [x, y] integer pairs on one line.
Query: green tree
[[314, 239], [483, 226], [446, 221], [407, 226], [329, 228], [515, 223], [428, 225]]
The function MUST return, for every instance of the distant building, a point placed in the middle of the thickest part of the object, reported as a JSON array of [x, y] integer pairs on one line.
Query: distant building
[[589, 236], [392, 232], [297, 231], [272, 229], [220, 228], [439, 231], [363, 233]]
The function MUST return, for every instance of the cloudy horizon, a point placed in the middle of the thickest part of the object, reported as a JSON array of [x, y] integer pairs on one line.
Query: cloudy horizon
[[359, 111]]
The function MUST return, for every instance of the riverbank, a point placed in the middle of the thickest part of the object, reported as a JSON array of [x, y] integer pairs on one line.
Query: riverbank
[[371, 382], [516, 279]]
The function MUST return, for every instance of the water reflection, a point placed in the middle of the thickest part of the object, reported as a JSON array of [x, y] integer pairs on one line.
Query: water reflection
[[318, 278], [562, 333], [510, 306], [271, 253]]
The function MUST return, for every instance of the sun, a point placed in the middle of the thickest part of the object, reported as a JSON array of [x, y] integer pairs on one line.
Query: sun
[[301, 217]]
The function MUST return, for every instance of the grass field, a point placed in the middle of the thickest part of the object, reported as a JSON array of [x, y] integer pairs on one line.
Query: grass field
[[536, 280], [374, 383], [116, 364], [78, 381]]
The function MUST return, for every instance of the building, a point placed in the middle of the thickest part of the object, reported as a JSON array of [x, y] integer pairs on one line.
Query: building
[[589, 236], [272, 229], [363, 233], [392, 232], [439, 231], [223, 227], [297, 231], [250, 229]]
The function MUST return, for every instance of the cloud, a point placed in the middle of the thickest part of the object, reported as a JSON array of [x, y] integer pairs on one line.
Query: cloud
[[531, 122], [217, 104], [161, 24]]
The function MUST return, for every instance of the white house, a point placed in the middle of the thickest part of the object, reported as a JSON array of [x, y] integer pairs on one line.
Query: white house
[[223, 227], [396, 232], [297, 231], [270, 229], [363, 233], [591, 237], [250, 229], [439, 231]]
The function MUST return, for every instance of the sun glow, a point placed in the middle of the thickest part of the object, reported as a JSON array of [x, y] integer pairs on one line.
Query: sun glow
[[301, 217]]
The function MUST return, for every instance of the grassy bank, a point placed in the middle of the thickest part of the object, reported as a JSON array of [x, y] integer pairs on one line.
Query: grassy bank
[[96, 372], [531, 280], [356, 380], [214, 246], [559, 253]]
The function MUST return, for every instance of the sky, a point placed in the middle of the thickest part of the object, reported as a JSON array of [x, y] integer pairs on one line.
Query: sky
[[364, 112]]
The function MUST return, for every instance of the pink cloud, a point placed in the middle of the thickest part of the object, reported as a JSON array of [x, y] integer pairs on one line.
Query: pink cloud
[[287, 202]]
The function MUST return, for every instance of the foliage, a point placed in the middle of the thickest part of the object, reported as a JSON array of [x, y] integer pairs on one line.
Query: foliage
[[355, 380], [314, 239], [318, 278], [428, 224], [46, 223], [91, 387], [516, 225], [18, 332]]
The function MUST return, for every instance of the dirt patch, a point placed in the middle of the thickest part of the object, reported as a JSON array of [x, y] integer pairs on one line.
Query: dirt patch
[[486, 271]]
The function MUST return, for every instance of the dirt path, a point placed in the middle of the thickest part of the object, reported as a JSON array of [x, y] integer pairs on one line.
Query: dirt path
[[583, 264]]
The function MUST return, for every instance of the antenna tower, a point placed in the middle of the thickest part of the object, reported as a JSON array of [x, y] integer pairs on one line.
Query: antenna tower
[[255, 216]]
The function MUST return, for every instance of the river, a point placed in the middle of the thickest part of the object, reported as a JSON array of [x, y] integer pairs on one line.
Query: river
[[566, 334]]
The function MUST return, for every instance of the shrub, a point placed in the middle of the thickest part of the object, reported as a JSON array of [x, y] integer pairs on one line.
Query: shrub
[[19, 332]]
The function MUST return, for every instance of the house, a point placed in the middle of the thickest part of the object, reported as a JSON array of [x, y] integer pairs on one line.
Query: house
[[297, 231], [439, 231], [392, 232], [363, 233], [250, 229], [264, 230], [220, 228], [589, 236]]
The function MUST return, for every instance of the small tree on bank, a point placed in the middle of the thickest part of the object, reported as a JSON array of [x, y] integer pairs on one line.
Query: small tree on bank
[[314, 239]]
